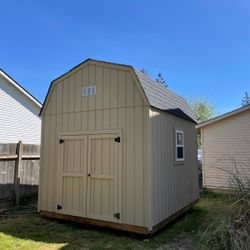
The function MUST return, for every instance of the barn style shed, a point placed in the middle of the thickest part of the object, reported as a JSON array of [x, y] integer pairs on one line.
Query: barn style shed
[[118, 149]]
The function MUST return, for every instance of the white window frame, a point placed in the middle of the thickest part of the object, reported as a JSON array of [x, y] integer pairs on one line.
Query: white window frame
[[179, 145]]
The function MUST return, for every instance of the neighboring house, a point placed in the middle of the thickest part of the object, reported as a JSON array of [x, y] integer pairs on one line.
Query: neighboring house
[[118, 150], [226, 144], [19, 113]]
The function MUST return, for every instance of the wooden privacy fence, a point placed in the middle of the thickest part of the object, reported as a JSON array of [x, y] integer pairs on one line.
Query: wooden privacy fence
[[19, 171]]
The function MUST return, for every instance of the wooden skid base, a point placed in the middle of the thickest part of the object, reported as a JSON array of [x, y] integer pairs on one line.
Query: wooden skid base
[[112, 225], [162, 224], [118, 226]]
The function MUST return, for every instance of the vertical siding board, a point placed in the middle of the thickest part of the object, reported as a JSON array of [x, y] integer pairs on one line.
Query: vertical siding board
[[122, 89], [91, 120], [59, 104], [65, 86], [72, 91], [122, 123], [138, 100], [52, 141], [99, 87], [84, 122], [92, 82], [106, 88], [113, 88], [78, 91], [138, 166], [130, 168], [84, 81], [130, 90]]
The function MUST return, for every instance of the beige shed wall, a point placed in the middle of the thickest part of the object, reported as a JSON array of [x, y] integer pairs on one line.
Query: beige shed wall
[[223, 142], [174, 186], [118, 104]]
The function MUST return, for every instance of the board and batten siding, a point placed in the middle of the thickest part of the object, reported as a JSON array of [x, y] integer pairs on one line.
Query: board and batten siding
[[118, 104], [223, 142], [19, 118], [172, 183]]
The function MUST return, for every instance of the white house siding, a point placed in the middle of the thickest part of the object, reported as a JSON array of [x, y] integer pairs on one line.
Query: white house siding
[[225, 142], [19, 117]]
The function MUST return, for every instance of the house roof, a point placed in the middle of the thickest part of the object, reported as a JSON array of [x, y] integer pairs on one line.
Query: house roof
[[158, 96], [16, 85], [224, 116]]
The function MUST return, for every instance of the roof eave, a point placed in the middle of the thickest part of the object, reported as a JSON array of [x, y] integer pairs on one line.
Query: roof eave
[[20, 88], [224, 116]]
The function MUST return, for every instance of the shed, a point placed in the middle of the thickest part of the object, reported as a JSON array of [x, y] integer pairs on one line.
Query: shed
[[118, 149], [19, 113], [226, 148]]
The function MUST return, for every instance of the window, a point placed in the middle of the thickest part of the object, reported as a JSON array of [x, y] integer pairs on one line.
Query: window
[[179, 139]]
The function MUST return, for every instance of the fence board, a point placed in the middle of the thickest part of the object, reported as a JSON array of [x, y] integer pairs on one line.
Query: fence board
[[28, 174]]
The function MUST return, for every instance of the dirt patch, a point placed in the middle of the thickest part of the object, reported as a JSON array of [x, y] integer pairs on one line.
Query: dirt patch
[[182, 242]]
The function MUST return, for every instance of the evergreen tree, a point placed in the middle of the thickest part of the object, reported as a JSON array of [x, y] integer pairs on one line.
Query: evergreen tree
[[160, 79], [245, 100], [144, 71]]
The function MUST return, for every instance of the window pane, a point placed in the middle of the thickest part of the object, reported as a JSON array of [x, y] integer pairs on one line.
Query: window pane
[[179, 138], [180, 153]]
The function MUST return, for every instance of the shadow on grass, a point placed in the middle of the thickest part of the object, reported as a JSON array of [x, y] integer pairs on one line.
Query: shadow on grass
[[31, 226]]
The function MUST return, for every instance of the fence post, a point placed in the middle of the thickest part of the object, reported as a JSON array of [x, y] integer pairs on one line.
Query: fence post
[[19, 152]]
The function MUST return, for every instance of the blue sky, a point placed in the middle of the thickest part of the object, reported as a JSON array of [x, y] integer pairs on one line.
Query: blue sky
[[201, 47]]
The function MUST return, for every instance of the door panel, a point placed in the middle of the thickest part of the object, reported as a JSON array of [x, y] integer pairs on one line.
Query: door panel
[[102, 183], [73, 177]]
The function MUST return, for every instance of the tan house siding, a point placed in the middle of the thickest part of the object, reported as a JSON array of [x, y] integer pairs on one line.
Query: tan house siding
[[225, 142], [173, 185], [117, 105]]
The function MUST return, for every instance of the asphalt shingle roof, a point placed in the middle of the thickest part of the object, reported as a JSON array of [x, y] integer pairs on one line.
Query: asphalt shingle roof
[[162, 98]]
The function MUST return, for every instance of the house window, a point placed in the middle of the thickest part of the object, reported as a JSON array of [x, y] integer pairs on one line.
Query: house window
[[179, 135]]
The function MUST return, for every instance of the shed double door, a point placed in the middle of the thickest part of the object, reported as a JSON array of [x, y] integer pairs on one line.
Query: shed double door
[[89, 176]]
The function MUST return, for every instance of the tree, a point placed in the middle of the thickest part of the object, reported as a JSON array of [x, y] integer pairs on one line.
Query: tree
[[160, 79], [245, 100], [144, 71], [203, 110]]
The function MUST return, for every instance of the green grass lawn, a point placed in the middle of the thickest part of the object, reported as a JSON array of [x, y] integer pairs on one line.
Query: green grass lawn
[[22, 228]]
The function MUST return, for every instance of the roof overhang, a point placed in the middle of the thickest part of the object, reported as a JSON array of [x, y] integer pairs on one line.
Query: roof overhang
[[224, 116], [16, 85]]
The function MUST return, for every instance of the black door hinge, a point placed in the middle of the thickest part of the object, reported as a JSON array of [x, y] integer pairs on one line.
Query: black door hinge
[[61, 141], [118, 139], [59, 207], [117, 216]]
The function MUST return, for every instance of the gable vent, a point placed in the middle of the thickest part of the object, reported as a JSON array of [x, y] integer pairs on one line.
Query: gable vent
[[90, 90]]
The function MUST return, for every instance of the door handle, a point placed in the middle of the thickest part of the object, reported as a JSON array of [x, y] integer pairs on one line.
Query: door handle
[[88, 174]]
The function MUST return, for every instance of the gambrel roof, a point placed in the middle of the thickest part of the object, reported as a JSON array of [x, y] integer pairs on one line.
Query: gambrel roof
[[162, 98], [157, 95]]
